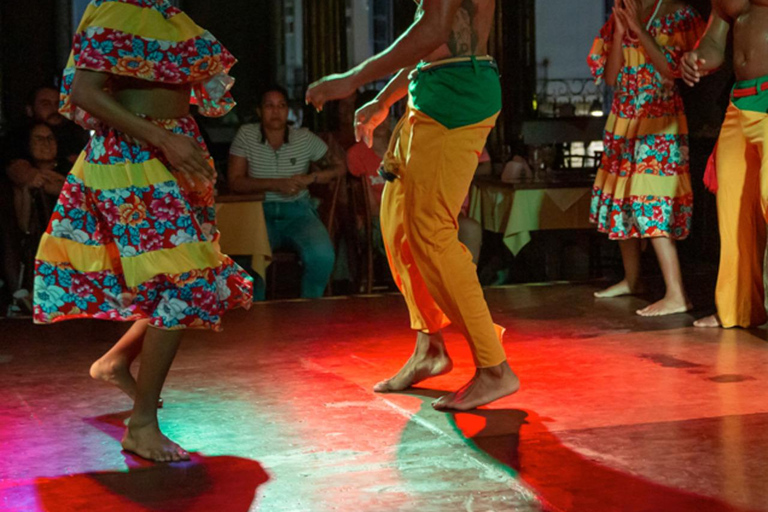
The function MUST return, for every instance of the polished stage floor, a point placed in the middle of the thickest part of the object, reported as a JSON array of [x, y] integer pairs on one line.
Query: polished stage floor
[[615, 413]]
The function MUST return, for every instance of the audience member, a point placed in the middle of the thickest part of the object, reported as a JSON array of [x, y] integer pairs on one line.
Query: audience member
[[283, 162], [43, 106], [37, 177]]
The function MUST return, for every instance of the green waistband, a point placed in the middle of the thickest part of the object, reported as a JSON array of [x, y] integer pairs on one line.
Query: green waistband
[[754, 82], [754, 103], [457, 94]]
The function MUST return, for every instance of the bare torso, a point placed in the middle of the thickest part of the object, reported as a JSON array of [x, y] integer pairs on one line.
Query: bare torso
[[749, 20], [159, 101], [471, 30]]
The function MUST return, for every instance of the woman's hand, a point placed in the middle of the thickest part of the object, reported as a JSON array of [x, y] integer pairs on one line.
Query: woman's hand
[[184, 155], [619, 24], [329, 88], [632, 15], [367, 119], [293, 185]]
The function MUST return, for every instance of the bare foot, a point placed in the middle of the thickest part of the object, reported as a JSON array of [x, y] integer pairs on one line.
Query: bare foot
[[148, 442], [488, 385], [666, 306], [428, 360], [118, 373], [708, 322], [618, 290]]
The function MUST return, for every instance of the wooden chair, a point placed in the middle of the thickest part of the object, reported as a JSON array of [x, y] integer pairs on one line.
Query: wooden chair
[[359, 190]]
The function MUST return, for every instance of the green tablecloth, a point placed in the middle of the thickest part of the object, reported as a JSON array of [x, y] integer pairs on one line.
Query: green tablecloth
[[515, 213]]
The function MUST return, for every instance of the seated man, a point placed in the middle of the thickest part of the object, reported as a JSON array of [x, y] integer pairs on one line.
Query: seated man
[[272, 158]]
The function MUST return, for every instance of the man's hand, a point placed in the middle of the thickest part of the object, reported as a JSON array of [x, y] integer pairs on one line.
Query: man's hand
[[329, 88], [367, 119], [691, 66]]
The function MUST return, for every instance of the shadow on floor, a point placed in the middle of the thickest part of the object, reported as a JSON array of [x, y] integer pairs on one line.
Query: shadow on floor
[[221, 484], [564, 480]]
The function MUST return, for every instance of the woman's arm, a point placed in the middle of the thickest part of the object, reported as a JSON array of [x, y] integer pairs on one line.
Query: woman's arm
[[182, 152], [616, 57], [240, 183], [632, 12]]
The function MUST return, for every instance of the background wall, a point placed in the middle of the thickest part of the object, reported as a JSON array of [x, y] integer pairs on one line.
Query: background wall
[[565, 30]]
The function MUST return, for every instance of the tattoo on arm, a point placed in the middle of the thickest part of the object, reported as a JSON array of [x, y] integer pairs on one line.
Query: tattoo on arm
[[464, 40]]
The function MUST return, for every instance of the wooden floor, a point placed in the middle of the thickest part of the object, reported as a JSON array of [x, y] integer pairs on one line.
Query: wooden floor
[[615, 413]]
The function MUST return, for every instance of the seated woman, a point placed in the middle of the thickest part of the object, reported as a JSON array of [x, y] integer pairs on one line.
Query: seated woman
[[37, 178]]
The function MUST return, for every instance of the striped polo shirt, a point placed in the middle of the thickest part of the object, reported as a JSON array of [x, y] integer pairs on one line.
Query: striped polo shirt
[[301, 148]]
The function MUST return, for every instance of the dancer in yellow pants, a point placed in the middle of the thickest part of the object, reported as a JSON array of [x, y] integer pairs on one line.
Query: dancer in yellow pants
[[742, 205], [454, 99], [740, 173]]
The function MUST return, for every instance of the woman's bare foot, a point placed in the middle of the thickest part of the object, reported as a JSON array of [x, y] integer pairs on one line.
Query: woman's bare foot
[[488, 385], [708, 322], [148, 442], [667, 306], [428, 360], [618, 290], [118, 373]]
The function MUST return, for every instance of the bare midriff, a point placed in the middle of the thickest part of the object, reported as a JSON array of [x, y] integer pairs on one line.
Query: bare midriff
[[151, 99], [749, 19]]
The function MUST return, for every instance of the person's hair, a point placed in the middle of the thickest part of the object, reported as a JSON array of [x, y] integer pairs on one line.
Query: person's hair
[[274, 88], [32, 96], [365, 97]]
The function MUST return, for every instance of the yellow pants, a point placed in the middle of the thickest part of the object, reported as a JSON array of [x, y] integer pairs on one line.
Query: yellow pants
[[419, 212], [742, 203]]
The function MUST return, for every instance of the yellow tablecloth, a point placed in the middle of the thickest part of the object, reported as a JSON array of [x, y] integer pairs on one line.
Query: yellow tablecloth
[[515, 213], [244, 231]]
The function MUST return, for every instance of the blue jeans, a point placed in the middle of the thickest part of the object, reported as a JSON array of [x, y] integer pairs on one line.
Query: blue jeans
[[296, 225]]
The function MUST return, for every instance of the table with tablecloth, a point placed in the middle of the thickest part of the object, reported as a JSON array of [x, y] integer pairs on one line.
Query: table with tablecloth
[[243, 230], [514, 210]]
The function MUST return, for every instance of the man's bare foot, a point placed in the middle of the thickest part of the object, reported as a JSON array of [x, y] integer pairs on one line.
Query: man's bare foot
[[620, 289], [488, 385], [118, 373], [428, 360], [666, 306], [708, 322], [148, 442]]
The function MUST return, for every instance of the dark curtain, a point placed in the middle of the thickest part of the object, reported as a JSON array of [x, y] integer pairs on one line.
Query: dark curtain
[[325, 47], [28, 40]]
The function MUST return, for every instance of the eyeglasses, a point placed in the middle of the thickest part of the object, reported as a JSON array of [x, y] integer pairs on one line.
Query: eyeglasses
[[40, 139]]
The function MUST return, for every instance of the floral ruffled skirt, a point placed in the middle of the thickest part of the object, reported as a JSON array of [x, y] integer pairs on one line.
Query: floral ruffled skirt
[[130, 239]]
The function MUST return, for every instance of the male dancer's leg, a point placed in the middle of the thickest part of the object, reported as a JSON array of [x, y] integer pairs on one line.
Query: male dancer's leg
[[439, 168], [739, 294], [430, 357]]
